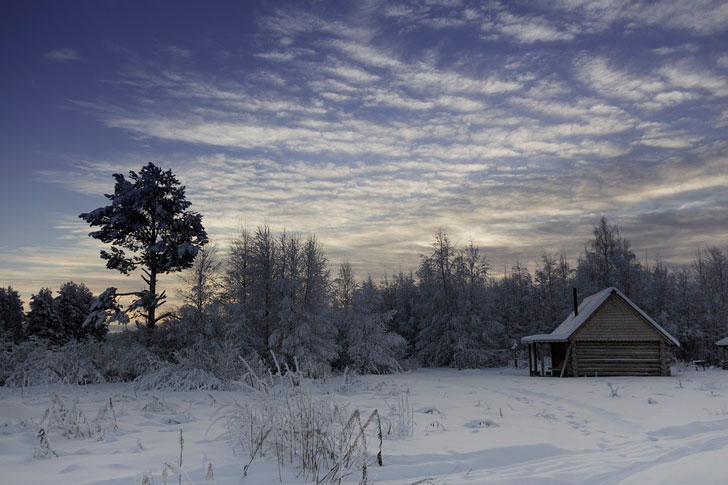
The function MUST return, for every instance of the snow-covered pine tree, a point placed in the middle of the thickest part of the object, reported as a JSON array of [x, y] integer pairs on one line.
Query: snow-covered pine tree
[[73, 305], [11, 315], [42, 320], [148, 217]]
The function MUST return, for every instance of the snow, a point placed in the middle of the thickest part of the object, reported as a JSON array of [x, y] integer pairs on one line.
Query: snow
[[471, 427]]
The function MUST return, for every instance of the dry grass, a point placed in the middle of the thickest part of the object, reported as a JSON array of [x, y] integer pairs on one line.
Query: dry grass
[[283, 419]]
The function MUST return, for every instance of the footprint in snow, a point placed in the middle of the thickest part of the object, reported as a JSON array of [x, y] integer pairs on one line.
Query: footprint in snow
[[430, 410], [482, 423], [435, 426]]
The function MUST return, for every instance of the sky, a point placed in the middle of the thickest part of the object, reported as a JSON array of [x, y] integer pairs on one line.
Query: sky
[[372, 124]]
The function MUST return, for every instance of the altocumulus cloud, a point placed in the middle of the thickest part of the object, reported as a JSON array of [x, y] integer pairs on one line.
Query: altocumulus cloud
[[511, 124]]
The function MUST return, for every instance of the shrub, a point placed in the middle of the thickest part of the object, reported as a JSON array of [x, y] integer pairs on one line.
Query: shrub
[[35, 362]]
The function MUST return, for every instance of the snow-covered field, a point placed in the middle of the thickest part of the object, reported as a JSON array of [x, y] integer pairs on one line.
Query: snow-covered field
[[471, 427]]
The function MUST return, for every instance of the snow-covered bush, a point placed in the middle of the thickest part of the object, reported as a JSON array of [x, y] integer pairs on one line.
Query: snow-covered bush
[[126, 364], [125, 358], [206, 365], [36, 362]]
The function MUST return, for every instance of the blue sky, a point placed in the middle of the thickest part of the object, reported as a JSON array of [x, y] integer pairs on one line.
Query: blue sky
[[512, 124]]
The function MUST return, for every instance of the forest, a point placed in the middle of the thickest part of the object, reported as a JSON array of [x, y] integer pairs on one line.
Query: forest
[[274, 297], [272, 300]]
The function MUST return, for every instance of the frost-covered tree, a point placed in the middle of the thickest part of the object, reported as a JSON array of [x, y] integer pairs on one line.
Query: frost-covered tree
[[236, 281], [148, 225], [342, 294], [516, 304], [553, 287], [42, 320], [313, 340], [262, 310], [236, 288], [344, 286], [710, 277], [608, 261], [454, 325], [400, 294], [65, 317], [202, 281], [73, 306], [288, 295], [11, 315], [371, 346]]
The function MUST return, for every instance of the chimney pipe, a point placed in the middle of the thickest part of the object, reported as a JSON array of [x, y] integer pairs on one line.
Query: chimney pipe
[[576, 305]]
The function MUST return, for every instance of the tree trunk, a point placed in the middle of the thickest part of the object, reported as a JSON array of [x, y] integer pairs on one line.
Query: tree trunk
[[151, 318]]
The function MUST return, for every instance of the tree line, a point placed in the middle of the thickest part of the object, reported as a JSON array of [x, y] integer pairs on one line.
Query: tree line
[[273, 297], [275, 294]]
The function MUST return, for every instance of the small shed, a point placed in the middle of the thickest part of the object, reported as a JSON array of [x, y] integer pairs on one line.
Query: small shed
[[607, 335], [723, 344]]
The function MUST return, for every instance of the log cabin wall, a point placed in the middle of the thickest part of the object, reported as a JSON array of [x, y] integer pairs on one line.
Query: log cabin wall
[[617, 340]]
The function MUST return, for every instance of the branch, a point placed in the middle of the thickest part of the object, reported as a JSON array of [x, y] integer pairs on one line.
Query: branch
[[166, 315]]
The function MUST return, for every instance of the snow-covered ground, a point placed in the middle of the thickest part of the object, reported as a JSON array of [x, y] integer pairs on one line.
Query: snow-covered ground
[[471, 427]]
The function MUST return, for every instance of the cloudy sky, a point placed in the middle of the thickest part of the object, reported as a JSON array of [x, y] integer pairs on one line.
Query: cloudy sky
[[372, 124]]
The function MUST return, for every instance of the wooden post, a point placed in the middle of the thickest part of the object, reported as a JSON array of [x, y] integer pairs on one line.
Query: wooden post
[[543, 367], [530, 359], [574, 361], [566, 359]]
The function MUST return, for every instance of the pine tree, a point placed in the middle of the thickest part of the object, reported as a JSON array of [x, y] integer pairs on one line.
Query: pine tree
[[43, 320], [11, 315], [148, 217], [73, 306]]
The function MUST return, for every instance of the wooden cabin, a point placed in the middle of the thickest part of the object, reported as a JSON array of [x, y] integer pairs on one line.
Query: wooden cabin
[[723, 344], [607, 335]]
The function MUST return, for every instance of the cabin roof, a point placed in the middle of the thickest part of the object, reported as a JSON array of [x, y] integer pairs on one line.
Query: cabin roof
[[563, 332], [722, 342]]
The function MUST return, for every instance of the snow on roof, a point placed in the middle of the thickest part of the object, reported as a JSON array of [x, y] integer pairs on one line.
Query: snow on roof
[[722, 342], [586, 309]]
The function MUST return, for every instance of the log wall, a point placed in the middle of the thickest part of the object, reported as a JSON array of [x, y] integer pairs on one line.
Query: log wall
[[616, 320], [618, 359], [618, 341]]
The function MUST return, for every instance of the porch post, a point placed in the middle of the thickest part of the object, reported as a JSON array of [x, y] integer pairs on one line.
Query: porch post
[[530, 359]]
